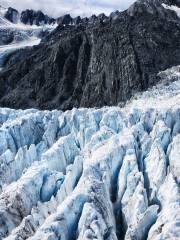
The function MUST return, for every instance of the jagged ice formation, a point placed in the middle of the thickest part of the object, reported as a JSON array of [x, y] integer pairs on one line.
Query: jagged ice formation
[[109, 173]]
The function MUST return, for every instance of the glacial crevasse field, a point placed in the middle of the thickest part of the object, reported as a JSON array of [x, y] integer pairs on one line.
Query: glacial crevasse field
[[109, 173]]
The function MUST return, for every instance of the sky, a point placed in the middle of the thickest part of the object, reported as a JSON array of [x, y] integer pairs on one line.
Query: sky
[[57, 8]]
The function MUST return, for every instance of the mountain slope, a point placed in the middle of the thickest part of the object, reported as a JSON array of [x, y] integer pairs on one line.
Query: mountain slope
[[14, 34], [109, 173], [101, 62]]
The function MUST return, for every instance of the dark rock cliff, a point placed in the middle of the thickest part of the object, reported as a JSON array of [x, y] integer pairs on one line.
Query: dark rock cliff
[[12, 15], [35, 17], [93, 64]]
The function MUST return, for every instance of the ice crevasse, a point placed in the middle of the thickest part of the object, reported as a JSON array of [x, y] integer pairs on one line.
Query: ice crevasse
[[109, 173]]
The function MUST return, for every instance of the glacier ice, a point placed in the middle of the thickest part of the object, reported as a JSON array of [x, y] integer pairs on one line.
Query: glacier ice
[[109, 173]]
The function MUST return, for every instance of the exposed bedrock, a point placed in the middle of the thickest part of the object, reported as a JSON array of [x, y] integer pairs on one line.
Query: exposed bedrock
[[95, 63]]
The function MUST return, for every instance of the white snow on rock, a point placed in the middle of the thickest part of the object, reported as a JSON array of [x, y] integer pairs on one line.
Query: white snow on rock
[[109, 173], [172, 8], [23, 35]]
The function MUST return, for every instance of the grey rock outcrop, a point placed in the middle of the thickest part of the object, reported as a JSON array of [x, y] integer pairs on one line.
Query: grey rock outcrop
[[12, 15], [65, 20], [35, 17], [87, 65]]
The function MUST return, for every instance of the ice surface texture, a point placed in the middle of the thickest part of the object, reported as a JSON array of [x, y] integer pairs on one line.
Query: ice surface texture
[[110, 173]]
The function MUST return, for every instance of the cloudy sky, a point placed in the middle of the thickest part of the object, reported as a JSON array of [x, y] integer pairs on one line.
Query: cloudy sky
[[75, 7]]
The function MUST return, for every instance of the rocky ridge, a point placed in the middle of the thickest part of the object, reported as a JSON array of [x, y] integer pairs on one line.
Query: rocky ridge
[[30, 17], [14, 34], [99, 61]]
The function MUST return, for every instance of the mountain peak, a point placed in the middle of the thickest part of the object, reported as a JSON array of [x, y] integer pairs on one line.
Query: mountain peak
[[35, 17], [87, 62], [12, 15], [151, 6]]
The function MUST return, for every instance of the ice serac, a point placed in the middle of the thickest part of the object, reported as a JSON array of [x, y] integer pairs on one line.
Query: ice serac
[[109, 173], [167, 224]]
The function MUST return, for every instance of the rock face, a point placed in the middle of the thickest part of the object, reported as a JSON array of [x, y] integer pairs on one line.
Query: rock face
[[100, 61], [109, 173], [66, 19], [16, 35], [16, 27], [27, 17], [32, 17], [12, 15]]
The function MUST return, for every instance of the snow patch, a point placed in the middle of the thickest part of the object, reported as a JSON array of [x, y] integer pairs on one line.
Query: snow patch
[[172, 8]]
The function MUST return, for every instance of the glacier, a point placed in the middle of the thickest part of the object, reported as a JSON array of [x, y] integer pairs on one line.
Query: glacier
[[109, 173], [16, 35]]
